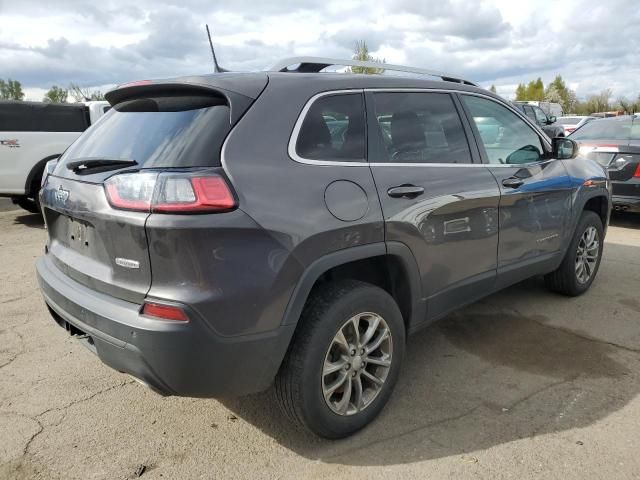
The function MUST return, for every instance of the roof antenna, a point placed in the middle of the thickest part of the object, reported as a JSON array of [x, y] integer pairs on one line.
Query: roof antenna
[[216, 68]]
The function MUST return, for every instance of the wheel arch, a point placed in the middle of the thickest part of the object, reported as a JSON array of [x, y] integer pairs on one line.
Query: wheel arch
[[599, 204], [390, 266], [35, 174]]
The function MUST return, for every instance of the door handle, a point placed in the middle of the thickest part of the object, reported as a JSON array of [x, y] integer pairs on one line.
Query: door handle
[[513, 182], [405, 191]]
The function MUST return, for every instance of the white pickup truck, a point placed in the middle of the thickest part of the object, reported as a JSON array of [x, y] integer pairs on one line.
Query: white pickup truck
[[31, 134]]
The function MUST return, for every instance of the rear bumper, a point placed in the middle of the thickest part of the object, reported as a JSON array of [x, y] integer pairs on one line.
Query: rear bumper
[[626, 204], [172, 358]]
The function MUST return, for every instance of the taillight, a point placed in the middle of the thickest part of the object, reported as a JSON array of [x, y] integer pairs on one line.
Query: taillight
[[195, 194], [637, 172], [569, 129], [170, 192], [131, 191], [164, 312]]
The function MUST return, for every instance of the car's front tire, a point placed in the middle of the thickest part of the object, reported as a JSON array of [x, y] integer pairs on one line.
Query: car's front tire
[[580, 265], [344, 359]]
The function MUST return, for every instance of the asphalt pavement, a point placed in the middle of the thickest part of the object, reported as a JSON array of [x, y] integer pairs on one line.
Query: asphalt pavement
[[524, 384]]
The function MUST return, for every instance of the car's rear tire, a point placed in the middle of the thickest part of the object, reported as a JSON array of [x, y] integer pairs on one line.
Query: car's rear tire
[[326, 352], [28, 204], [580, 265]]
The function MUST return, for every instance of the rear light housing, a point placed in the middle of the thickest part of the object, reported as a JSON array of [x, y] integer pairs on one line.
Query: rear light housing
[[171, 192], [49, 167], [164, 312]]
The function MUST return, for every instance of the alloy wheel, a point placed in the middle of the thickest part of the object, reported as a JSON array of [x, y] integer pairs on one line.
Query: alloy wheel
[[587, 254], [357, 363]]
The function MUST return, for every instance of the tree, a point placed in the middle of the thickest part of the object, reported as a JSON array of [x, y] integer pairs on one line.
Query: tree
[[56, 94], [553, 95], [521, 92], [635, 106], [535, 90], [11, 90], [558, 92], [493, 89], [571, 102], [623, 104], [84, 94], [361, 52]]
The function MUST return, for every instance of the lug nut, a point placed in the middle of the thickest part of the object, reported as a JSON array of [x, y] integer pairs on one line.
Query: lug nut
[[362, 351], [353, 374], [347, 366], [353, 351]]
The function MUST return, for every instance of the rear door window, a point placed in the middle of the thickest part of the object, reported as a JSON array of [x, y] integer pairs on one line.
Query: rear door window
[[333, 129], [419, 127], [165, 132]]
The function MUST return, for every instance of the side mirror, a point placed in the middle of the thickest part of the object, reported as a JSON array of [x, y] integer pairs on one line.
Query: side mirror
[[564, 148], [552, 119]]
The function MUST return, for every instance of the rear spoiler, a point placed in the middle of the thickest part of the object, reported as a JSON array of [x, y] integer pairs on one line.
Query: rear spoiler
[[239, 98]]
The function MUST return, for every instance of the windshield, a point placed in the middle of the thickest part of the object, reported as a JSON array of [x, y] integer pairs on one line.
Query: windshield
[[157, 132], [618, 128]]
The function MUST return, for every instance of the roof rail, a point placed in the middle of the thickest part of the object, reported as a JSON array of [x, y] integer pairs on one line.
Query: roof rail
[[317, 64]]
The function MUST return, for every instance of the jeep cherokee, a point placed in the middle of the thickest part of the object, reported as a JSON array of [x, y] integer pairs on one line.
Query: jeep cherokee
[[214, 235]]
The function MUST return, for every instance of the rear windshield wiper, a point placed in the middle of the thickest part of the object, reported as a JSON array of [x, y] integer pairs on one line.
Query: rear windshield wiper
[[99, 164]]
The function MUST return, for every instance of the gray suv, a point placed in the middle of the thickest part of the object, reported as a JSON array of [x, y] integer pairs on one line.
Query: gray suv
[[215, 235]]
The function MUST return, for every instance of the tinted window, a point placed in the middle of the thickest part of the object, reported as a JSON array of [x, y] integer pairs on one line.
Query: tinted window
[[42, 117], [158, 132], [419, 128], [505, 136], [529, 113], [569, 120], [333, 129], [540, 115], [618, 128]]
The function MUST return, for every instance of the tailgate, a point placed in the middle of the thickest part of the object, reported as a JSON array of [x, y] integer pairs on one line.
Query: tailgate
[[100, 247]]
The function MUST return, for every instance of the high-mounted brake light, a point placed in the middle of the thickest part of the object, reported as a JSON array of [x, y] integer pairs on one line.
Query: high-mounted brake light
[[170, 192], [135, 83], [165, 312]]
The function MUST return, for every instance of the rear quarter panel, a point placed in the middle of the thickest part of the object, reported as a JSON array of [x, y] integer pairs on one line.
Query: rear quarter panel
[[287, 198]]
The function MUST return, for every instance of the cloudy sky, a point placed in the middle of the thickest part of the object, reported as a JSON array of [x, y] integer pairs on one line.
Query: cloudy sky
[[593, 44]]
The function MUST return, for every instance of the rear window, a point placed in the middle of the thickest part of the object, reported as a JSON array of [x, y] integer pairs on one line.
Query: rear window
[[569, 120], [333, 129], [618, 128], [42, 117], [168, 131]]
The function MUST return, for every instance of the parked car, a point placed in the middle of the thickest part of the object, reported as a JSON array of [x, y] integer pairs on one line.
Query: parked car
[[31, 134], [549, 108], [213, 235], [537, 116], [573, 122], [615, 143]]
